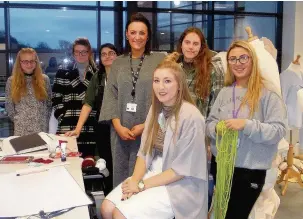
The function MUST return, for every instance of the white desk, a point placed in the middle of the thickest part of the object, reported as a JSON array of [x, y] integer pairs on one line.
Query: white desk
[[74, 168]]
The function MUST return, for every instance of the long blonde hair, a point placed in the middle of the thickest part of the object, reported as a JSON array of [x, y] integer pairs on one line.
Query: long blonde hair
[[169, 63], [255, 81], [19, 88]]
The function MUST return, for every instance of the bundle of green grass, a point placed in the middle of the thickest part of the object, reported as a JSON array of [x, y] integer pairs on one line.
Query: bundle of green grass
[[226, 143]]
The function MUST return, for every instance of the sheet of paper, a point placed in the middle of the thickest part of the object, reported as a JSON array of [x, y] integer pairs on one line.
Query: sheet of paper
[[49, 191], [1, 151]]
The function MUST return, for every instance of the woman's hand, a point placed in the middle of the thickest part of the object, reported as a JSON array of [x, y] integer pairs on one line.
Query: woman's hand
[[130, 186], [127, 196], [125, 133], [209, 155], [137, 129], [235, 124], [72, 133]]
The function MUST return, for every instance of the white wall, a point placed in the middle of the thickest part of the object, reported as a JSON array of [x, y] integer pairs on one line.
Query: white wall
[[299, 30], [292, 36]]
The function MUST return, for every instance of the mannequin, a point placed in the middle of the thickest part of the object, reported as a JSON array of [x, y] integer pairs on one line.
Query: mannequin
[[292, 90], [268, 65], [268, 202]]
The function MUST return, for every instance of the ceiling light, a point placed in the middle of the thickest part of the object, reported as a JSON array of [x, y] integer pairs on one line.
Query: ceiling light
[[177, 3]]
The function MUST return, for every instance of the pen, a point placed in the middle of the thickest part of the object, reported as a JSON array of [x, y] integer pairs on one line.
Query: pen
[[31, 172], [50, 137]]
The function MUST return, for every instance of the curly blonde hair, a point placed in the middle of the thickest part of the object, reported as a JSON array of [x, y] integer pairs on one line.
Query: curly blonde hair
[[19, 88]]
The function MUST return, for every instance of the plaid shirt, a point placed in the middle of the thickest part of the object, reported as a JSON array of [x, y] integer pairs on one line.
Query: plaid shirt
[[68, 94], [217, 83]]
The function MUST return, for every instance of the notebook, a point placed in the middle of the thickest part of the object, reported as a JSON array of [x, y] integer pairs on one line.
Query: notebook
[[25, 144], [28, 143]]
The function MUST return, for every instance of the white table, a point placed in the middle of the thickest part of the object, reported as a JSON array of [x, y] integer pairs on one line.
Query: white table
[[74, 168]]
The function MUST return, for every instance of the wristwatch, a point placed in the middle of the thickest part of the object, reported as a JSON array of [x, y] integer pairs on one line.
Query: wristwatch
[[141, 185]]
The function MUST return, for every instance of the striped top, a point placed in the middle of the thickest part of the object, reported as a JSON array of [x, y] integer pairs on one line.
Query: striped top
[[159, 142]]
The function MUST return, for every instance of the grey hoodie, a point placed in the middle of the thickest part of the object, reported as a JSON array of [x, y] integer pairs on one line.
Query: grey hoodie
[[260, 137]]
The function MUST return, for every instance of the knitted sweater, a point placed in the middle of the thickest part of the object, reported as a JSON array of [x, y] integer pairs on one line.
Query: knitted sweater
[[29, 115]]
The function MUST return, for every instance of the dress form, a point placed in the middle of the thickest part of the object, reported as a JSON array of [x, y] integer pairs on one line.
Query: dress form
[[289, 172]]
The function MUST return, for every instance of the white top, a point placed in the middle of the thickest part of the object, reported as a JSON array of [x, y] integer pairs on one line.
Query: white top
[[292, 88]]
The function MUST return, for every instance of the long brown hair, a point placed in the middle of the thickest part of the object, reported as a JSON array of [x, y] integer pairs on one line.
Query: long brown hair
[[19, 88], [202, 63], [255, 81], [169, 63]]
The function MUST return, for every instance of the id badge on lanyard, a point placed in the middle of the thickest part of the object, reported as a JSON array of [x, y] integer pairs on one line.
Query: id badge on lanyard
[[132, 106]]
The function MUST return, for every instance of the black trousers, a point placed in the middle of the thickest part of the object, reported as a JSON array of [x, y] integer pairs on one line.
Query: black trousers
[[102, 132], [87, 149], [246, 187]]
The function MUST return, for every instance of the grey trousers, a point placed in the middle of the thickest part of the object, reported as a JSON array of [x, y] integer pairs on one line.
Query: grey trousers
[[124, 157]]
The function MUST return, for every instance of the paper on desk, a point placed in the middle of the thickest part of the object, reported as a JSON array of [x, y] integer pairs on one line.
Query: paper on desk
[[49, 191]]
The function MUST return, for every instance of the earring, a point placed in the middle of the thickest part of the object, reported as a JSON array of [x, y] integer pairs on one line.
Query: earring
[[126, 38]]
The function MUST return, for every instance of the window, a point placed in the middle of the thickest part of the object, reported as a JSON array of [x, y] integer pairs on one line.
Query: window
[[163, 4], [251, 6], [124, 28], [107, 3], [201, 5], [182, 5], [2, 32], [145, 4], [51, 29], [224, 6], [163, 31], [260, 26], [57, 2], [107, 27], [200, 21], [179, 23], [190, 5], [3, 73], [223, 32]]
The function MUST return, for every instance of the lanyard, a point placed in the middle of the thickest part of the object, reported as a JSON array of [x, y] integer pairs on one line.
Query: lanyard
[[235, 113], [135, 75]]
